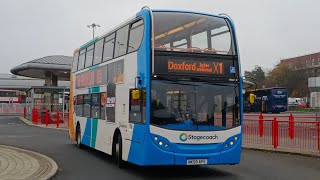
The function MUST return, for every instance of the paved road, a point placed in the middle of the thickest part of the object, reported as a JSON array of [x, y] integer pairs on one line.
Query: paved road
[[89, 164]]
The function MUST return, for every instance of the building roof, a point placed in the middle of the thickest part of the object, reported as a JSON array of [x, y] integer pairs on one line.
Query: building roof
[[61, 60], [59, 66], [9, 81]]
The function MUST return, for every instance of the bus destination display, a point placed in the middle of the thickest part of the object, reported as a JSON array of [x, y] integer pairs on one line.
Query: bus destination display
[[189, 66], [185, 66]]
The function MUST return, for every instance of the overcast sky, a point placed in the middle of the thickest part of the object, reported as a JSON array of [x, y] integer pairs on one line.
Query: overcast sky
[[267, 30]]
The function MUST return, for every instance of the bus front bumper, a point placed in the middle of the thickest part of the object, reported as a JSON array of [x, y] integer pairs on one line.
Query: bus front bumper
[[182, 154]]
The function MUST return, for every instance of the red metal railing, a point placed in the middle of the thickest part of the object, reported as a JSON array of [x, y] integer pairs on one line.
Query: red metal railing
[[47, 118], [268, 130]]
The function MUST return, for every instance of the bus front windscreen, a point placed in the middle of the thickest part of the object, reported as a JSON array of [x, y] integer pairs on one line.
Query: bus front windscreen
[[194, 106], [196, 33]]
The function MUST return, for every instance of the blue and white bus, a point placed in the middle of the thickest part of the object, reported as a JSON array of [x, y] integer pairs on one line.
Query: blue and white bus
[[162, 88]]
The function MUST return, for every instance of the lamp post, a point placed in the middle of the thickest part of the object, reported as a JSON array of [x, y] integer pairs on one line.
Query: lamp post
[[93, 26]]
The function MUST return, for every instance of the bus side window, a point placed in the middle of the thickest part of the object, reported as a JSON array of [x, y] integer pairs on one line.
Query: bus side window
[[87, 101], [95, 108], [75, 62], [137, 106], [136, 34], [103, 105], [79, 107], [74, 103]]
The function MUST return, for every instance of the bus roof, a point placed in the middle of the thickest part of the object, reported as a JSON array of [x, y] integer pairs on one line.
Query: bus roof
[[272, 88], [89, 43], [92, 41], [193, 12]]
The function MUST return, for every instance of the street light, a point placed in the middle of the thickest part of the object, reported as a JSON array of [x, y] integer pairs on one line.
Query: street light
[[93, 26]]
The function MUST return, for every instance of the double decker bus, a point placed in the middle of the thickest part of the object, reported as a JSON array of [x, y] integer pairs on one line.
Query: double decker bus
[[162, 88], [10, 96]]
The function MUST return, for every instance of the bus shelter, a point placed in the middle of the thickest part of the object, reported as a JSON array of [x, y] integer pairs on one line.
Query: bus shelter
[[48, 99]]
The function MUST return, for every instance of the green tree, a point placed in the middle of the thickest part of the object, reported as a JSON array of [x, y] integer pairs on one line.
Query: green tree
[[257, 75], [294, 80]]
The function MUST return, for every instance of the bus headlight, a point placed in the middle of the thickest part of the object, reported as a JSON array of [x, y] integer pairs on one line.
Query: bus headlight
[[232, 141], [161, 142]]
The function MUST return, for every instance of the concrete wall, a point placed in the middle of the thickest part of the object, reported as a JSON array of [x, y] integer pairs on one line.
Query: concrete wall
[[314, 99]]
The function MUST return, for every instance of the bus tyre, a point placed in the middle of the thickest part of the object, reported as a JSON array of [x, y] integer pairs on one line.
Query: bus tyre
[[118, 151], [78, 137]]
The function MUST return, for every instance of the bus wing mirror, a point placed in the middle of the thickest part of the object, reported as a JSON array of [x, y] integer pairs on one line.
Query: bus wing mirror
[[135, 94]]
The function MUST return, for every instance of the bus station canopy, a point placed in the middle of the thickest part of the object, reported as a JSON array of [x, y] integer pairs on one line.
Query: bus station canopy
[[49, 66], [248, 84]]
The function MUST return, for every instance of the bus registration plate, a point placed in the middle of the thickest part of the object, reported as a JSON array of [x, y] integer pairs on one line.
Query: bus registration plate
[[197, 161]]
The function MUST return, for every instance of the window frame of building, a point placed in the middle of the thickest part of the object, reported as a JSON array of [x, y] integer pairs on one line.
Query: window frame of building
[[312, 62]]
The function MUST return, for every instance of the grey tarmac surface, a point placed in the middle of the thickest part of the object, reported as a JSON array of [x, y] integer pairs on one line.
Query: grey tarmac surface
[[90, 164]]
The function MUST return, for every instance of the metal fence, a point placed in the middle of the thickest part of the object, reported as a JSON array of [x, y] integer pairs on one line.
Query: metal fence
[[291, 133], [47, 118], [286, 131], [12, 108]]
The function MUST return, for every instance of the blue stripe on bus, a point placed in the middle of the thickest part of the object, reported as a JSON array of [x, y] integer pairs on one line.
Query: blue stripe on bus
[[138, 135], [143, 71], [86, 139]]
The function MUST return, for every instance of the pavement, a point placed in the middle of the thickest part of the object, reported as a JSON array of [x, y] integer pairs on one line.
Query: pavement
[[87, 163], [20, 164], [50, 126]]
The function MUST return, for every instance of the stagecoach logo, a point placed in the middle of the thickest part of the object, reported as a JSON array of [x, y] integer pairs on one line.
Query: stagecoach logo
[[184, 137], [279, 92]]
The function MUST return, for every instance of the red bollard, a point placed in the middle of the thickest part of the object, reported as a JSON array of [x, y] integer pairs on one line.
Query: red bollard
[[275, 135], [36, 116], [291, 126], [261, 125], [47, 117], [58, 119], [24, 112], [32, 116]]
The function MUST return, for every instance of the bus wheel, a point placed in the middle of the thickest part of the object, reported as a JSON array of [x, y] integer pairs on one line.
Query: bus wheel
[[78, 132], [118, 151]]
